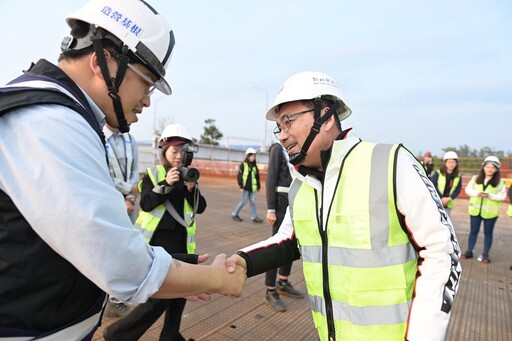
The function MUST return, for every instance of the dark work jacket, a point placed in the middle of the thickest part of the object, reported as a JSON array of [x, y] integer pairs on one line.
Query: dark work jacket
[[39, 290], [278, 175]]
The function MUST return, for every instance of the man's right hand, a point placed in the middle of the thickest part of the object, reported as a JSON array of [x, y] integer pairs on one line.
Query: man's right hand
[[235, 279], [234, 261], [271, 218]]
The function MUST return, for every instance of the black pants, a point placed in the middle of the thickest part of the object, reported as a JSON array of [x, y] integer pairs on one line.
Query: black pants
[[133, 326], [282, 205]]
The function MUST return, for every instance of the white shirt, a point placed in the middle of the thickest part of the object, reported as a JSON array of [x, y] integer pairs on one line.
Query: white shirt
[[53, 166]]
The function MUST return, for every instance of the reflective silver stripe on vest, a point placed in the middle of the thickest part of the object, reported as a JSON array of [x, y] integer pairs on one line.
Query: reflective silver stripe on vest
[[156, 213], [191, 239], [292, 193], [145, 233], [359, 258], [363, 316], [379, 216], [485, 207], [40, 84], [189, 219]]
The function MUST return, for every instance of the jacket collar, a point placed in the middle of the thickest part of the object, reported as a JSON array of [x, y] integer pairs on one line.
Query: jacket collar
[[325, 156]]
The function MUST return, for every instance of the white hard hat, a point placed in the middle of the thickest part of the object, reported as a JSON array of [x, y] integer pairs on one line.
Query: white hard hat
[[175, 130], [492, 160], [250, 151], [137, 25], [307, 86], [450, 156]]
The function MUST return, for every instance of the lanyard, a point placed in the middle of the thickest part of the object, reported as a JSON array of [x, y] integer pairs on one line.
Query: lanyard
[[113, 156]]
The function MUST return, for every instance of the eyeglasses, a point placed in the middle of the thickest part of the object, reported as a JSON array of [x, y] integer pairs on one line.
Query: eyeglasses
[[286, 123], [149, 83]]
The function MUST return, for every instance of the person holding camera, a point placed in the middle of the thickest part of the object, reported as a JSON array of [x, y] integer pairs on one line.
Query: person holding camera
[[170, 199]]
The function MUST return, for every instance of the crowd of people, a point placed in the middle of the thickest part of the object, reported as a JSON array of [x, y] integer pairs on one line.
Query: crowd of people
[[379, 251]]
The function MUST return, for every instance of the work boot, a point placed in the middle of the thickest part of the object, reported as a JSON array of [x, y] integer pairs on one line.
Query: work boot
[[275, 302], [467, 255], [116, 309], [286, 288], [236, 218]]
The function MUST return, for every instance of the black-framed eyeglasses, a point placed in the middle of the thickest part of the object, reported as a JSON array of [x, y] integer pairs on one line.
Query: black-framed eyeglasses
[[286, 122], [151, 85]]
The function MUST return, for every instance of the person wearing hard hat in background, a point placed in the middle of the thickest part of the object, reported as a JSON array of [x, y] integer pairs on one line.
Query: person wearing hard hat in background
[[60, 218], [380, 256], [249, 182], [427, 163], [169, 203], [277, 182], [123, 164], [447, 180], [486, 191]]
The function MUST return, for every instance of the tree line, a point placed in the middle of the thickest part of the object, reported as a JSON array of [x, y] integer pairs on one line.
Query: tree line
[[466, 151]]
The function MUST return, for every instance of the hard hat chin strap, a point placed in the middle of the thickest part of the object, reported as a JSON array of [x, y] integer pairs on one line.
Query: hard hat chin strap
[[113, 84], [297, 158]]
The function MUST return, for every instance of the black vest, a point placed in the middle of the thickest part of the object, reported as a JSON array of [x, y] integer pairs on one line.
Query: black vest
[[39, 290]]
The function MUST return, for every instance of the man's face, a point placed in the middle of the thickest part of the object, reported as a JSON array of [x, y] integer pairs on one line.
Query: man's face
[[293, 139], [134, 93]]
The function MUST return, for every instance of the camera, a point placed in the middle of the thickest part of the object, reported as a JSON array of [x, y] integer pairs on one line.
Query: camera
[[188, 173]]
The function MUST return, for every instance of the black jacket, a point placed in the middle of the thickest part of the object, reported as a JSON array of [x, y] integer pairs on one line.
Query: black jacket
[[278, 175]]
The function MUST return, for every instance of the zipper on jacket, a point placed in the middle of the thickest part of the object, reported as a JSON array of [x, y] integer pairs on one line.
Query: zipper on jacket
[[325, 271]]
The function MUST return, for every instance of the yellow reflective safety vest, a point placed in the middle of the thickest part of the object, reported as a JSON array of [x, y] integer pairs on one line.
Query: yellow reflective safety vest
[[147, 222], [484, 207], [245, 175], [360, 269], [441, 184]]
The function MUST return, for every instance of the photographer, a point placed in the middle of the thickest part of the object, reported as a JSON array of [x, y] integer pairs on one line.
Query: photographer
[[171, 189]]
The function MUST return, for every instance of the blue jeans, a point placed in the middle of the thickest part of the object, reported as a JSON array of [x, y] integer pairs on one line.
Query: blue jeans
[[488, 231], [246, 195]]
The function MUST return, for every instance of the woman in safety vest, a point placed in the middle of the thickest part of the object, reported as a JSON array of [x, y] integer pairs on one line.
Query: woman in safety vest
[[249, 182], [167, 219], [447, 180], [486, 191]]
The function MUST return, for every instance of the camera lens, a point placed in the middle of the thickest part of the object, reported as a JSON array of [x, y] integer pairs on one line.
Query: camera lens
[[189, 174]]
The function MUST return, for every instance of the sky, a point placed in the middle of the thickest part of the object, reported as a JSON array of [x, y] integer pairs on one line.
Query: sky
[[428, 74]]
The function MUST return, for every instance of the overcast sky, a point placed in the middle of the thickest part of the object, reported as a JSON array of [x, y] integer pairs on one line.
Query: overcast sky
[[428, 74]]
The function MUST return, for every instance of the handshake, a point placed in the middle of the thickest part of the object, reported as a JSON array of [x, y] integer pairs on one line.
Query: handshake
[[225, 276]]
